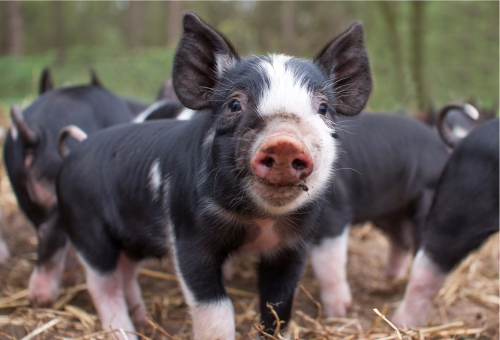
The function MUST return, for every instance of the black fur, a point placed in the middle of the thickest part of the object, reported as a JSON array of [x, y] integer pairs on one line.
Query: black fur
[[88, 107], [387, 173], [464, 211], [204, 164]]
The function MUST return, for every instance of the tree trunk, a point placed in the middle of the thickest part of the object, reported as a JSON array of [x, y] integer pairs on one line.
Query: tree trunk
[[394, 43], [288, 27], [417, 54], [134, 24], [16, 42], [3, 28], [59, 32], [174, 22]]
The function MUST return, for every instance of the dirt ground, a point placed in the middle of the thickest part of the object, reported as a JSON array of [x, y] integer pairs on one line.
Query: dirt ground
[[467, 307]]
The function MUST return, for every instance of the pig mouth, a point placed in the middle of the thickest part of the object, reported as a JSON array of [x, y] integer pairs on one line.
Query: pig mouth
[[278, 194]]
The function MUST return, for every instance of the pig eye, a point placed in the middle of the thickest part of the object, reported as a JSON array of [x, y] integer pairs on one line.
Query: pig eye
[[322, 109], [234, 106]]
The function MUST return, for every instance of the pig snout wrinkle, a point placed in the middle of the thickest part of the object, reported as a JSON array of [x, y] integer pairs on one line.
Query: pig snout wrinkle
[[282, 160]]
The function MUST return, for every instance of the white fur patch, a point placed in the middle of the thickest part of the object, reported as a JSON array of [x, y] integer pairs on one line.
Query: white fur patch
[[329, 261], [186, 114], [13, 131], [460, 132], [426, 279], [141, 117], [285, 93], [214, 320], [154, 179], [471, 111], [223, 63]]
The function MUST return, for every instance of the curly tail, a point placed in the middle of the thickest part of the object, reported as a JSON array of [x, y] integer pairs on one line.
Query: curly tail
[[70, 130]]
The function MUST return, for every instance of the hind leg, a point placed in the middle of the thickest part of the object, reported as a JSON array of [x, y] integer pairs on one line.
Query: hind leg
[[399, 230], [108, 294], [128, 270]]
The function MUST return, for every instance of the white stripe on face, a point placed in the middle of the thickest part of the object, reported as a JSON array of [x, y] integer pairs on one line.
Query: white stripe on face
[[285, 93], [329, 261]]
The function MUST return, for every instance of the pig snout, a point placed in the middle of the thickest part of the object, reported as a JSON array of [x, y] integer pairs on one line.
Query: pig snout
[[282, 159]]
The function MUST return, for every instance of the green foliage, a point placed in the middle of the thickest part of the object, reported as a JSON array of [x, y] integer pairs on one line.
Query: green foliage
[[137, 75], [460, 54]]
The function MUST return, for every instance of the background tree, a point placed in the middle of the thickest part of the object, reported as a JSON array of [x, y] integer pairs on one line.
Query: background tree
[[16, 42]]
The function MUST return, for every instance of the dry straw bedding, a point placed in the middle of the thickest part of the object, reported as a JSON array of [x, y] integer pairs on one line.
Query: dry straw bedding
[[467, 306]]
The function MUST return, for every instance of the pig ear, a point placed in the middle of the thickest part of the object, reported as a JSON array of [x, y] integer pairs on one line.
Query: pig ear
[[94, 79], [345, 61], [46, 81], [28, 135], [202, 57]]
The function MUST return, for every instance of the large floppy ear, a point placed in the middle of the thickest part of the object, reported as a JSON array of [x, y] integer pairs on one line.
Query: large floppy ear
[[27, 134], [202, 57], [94, 79], [45, 81], [345, 61]]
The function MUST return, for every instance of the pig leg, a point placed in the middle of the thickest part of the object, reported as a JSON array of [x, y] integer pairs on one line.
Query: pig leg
[[45, 280], [329, 260], [426, 279], [401, 240], [108, 295], [201, 282], [129, 270], [4, 251], [278, 277]]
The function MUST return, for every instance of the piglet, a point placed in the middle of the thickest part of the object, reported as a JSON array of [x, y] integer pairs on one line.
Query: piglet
[[246, 173]]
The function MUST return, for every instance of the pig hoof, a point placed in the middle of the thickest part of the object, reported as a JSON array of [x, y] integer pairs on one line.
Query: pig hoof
[[336, 301], [42, 292], [402, 318]]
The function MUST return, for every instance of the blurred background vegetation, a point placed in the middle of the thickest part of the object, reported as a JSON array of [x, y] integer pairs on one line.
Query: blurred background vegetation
[[421, 53]]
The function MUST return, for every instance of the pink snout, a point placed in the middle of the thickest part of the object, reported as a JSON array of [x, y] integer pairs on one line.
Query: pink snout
[[282, 160]]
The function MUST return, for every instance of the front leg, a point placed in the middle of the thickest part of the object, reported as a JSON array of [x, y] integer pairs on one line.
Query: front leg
[[200, 277], [278, 277]]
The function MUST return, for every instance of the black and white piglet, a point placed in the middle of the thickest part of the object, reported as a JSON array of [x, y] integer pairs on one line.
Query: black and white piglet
[[245, 173], [463, 215], [387, 173], [32, 163]]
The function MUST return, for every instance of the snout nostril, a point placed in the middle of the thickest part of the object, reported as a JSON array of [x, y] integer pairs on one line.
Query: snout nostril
[[298, 164], [268, 161]]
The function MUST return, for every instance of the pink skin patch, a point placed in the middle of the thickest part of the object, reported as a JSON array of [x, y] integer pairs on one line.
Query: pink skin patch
[[396, 266], [4, 251], [282, 159], [109, 300], [426, 279], [45, 280], [329, 261], [267, 239], [117, 294]]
